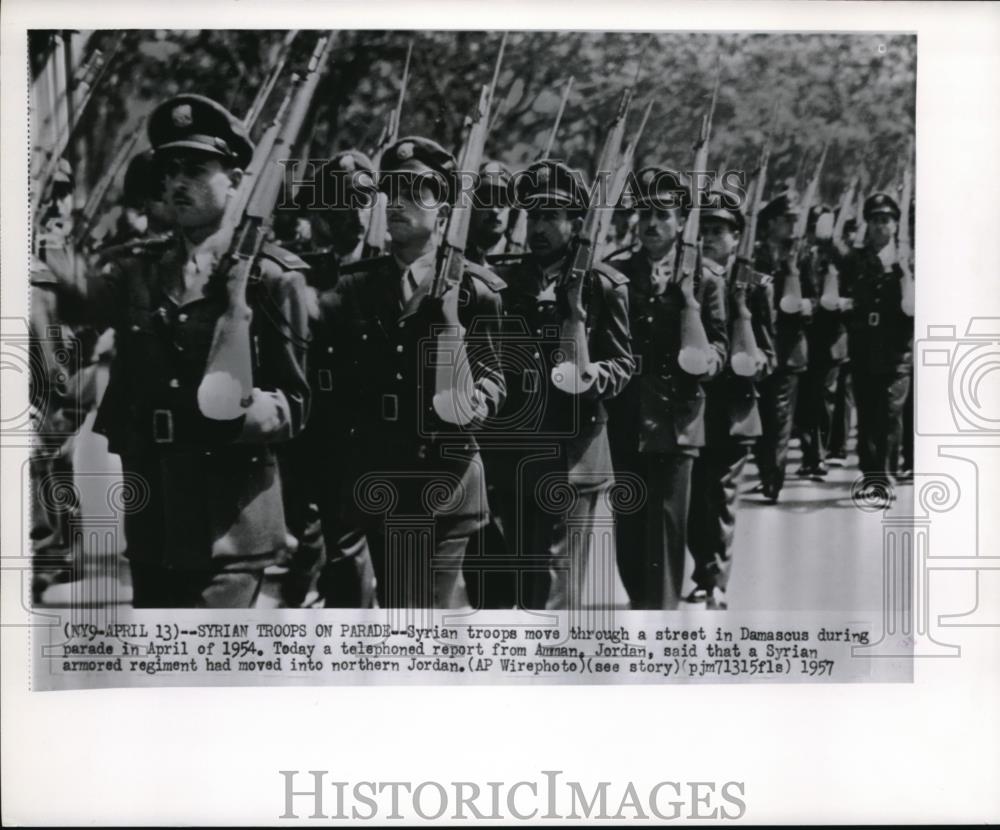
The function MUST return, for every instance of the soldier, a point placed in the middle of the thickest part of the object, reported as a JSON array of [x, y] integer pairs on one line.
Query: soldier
[[402, 458], [827, 346], [491, 214], [557, 462], [779, 391], [312, 484], [657, 424], [880, 340], [209, 518], [732, 420], [487, 584]]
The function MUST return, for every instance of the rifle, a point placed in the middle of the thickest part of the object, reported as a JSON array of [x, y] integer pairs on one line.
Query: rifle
[[747, 358], [791, 298], [573, 374], [226, 389], [695, 353], [264, 93], [455, 398], [830, 299], [86, 80], [378, 226], [518, 236], [88, 216], [903, 241]]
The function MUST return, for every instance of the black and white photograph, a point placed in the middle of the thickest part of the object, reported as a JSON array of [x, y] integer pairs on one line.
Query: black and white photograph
[[486, 320], [608, 376]]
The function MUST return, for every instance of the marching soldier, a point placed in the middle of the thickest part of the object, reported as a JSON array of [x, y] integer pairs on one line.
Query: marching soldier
[[779, 391], [880, 340], [657, 423], [413, 480], [312, 483], [732, 419], [487, 583], [210, 518], [558, 461], [827, 350], [491, 211]]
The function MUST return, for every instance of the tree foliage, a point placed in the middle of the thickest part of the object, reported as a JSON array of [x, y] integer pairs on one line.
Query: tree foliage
[[854, 93]]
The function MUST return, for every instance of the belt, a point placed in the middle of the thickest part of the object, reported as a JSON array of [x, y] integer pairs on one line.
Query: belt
[[873, 318], [163, 426]]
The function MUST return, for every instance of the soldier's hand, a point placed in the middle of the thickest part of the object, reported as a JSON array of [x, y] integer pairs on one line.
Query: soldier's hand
[[845, 304], [263, 418]]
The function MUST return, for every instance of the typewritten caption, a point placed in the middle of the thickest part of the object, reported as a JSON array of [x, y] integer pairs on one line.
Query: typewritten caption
[[184, 648]]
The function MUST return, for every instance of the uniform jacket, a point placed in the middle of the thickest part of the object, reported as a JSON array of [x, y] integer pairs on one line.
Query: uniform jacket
[[662, 410], [731, 409], [880, 334], [390, 440], [790, 329], [214, 495], [826, 333], [565, 434]]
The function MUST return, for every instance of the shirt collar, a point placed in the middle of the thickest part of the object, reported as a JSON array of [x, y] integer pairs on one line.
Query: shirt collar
[[422, 267]]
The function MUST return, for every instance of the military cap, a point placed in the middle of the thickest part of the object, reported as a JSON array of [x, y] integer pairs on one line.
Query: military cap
[[199, 123], [815, 212], [415, 154], [784, 204], [661, 187], [880, 203], [723, 214], [348, 171], [495, 176], [551, 183]]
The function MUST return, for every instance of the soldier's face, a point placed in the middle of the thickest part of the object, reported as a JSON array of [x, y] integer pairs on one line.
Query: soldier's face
[[882, 229], [549, 229], [343, 228], [658, 229], [197, 187], [488, 225], [718, 240], [413, 212]]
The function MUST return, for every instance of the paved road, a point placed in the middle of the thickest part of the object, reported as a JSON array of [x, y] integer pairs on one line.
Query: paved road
[[813, 550]]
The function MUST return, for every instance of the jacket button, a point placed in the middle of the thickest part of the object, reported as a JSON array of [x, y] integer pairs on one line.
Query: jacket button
[[398, 376], [135, 327], [174, 383], [329, 349], [364, 336], [649, 319], [399, 348], [536, 355], [182, 317]]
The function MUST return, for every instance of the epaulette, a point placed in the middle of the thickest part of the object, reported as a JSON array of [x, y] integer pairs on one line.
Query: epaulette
[[614, 276], [361, 265], [619, 254], [506, 259], [285, 258], [143, 246], [485, 275]]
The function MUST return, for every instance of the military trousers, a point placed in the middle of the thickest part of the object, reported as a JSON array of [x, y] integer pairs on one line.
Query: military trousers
[[778, 394], [414, 569], [490, 565], [817, 398], [880, 398], [715, 481], [651, 542], [843, 410], [557, 551], [313, 511]]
